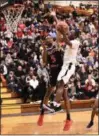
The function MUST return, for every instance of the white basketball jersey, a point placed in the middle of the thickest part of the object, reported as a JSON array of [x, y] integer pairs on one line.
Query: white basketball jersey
[[70, 54]]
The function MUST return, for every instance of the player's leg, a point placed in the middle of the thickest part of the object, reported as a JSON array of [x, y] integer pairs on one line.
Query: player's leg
[[68, 121], [47, 95], [45, 106], [70, 69], [50, 90], [70, 72], [41, 118], [59, 92], [64, 75], [94, 110], [60, 83], [66, 78], [59, 88]]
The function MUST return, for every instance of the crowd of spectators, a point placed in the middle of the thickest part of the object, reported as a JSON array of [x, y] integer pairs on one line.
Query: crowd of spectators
[[21, 53]]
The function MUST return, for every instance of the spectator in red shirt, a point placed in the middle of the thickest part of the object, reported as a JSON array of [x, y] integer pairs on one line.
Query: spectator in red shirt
[[19, 33], [90, 87], [21, 25]]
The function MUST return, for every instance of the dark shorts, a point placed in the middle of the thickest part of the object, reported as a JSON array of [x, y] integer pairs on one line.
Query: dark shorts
[[53, 78]]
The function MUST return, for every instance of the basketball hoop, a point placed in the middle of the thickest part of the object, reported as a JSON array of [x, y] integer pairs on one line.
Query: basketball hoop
[[12, 16]]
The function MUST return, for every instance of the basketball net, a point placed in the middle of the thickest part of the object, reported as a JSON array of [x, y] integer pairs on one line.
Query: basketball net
[[12, 17]]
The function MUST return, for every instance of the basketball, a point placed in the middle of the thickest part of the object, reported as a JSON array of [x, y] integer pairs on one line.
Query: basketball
[[62, 26]]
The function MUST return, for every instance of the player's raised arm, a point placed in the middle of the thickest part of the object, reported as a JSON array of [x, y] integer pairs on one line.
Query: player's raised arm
[[66, 34], [53, 13], [44, 54]]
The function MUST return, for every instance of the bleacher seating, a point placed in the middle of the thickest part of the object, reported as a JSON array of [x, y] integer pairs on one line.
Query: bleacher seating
[[12, 103]]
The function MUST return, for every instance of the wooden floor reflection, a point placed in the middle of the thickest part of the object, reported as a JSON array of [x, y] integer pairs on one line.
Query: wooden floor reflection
[[53, 124]]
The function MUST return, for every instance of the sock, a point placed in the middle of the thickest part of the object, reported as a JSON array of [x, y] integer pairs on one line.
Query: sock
[[68, 116]]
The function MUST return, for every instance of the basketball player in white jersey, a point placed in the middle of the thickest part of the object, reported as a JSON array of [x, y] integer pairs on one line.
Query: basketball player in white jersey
[[67, 70], [95, 111]]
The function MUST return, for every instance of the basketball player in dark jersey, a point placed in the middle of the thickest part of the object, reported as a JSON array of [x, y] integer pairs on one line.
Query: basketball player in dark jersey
[[54, 60]]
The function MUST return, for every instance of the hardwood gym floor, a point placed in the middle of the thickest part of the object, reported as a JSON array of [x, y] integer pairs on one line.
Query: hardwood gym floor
[[53, 124]]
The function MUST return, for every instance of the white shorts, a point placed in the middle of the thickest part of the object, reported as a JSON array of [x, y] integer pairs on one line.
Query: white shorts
[[66, 72]]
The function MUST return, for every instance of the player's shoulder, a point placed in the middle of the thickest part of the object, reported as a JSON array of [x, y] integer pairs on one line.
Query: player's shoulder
[[75, 42]]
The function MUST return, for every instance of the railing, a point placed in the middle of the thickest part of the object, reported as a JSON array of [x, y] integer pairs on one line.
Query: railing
[[71, 2]]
